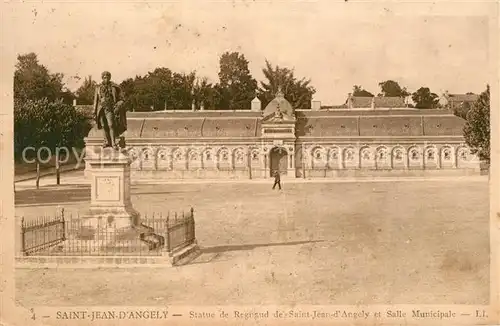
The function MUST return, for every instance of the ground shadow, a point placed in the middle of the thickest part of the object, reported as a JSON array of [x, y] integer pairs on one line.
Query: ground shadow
[[211, 254], [52, 195], [219, 249]]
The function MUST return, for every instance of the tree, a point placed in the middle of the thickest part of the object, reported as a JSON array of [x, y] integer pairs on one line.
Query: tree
[[33, 81], [298, 92], [40, 123], [462, 110], [182, 88], [158, 89], [85, 93], [477, 127], [128, 88], [237, 87], [424, 99], [359, 91], [206, 93], [390, 88]]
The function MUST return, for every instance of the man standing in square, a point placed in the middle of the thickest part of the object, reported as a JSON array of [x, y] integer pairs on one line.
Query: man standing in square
[[277, 179]]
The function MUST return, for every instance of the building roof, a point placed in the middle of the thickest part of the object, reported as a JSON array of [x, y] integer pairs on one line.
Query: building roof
[[369, 112], [462, 97], [309, 123], [171, 114], [380, 102], [379, 125], [194, 127]]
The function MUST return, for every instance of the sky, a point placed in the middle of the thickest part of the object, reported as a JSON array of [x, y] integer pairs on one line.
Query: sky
[[336, 44]]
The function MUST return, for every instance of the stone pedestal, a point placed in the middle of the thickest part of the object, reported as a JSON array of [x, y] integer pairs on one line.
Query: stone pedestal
[[110, 188], [111, 221], [111, 226]]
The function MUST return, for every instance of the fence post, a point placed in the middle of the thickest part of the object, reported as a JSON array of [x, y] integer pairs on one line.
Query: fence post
[[63, 222], [63, 226], [168, 232], [186, 226], [193, 236], [21, 249]]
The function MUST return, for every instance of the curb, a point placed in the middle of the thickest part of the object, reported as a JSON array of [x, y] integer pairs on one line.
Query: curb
[[145, 182], [90, 266], [318, 180], [91, 261]]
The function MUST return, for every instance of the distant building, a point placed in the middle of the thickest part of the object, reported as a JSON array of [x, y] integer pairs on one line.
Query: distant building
[[456, 101], [365, 137], [376, 102]]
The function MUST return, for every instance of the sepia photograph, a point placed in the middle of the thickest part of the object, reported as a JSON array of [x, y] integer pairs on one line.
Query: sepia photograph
[[250, 162]]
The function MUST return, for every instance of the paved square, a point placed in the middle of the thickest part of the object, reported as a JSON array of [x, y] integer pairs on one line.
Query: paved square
[[312, 243]]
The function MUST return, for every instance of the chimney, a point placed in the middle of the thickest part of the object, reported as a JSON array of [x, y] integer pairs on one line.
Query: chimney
[[349, 101], [373, 103], [256, 105], [315, 105]]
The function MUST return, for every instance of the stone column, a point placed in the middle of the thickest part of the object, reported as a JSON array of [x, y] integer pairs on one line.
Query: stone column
[[291, 164], [265, 164], [453, 157], [304, 160], [232, 158], [170, 157], [248, 156], [186, 159]]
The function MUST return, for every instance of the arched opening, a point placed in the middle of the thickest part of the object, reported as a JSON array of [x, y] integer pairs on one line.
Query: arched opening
[[279, 160]]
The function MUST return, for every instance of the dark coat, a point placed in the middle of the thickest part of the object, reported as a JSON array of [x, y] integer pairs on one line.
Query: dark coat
[[277, 177], [120, 111]]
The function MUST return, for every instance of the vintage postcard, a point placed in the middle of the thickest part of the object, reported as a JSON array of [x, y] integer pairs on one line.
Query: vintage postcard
[[250, 162]]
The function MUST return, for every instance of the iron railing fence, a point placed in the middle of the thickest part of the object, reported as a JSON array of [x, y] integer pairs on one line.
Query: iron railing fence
[[63, 234]]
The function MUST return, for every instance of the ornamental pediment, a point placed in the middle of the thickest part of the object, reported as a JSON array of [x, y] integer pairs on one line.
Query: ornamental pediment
[[278, 118]]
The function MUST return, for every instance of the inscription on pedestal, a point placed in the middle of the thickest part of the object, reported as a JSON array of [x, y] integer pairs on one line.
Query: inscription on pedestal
[[107, 188]]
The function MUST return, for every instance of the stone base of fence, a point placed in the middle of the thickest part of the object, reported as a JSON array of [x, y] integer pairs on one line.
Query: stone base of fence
[[179, 258], [183, 255], [31, 262]]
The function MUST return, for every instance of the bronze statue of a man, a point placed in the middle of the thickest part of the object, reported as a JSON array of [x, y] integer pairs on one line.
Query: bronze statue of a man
[[109, 111]]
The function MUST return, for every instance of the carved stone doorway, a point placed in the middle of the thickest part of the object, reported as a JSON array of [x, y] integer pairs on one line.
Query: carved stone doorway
[[279, 161]]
